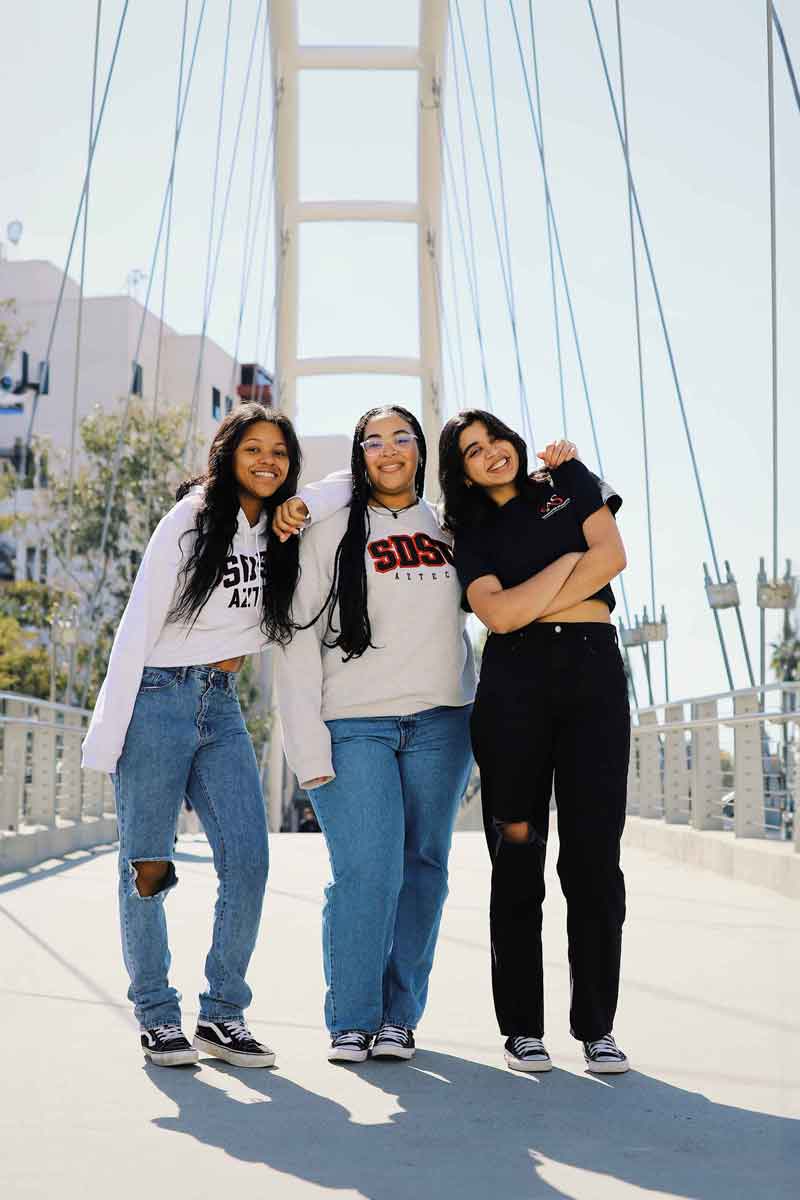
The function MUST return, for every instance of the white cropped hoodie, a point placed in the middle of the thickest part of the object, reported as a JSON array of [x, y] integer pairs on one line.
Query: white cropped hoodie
[[228, 625]]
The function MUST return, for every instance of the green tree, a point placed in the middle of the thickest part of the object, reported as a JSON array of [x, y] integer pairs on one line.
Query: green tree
[[786, 657], [24, 664], [148, 472]]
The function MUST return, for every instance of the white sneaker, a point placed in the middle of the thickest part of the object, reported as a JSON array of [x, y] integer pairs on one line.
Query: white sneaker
[[527, 1054], [604, 1057], [352, 1045]]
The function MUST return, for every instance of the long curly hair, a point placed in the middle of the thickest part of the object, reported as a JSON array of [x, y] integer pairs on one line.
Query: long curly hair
[[466, 506], [217, 519], [348, 589]]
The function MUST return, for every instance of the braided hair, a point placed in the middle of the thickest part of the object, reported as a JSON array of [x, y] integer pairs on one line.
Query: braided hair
[[348, 589]]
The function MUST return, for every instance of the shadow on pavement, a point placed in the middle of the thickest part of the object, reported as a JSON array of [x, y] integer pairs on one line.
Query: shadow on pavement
[[476, 1132]]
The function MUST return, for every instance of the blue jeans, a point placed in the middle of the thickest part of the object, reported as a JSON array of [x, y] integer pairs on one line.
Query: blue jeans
[[187, 737], [388, 820]]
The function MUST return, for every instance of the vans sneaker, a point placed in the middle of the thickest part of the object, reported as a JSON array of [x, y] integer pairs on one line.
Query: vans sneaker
[[233, 1042], [352, 1045], [166, 1046], [393, 1041], [604, 1057], [527, 1054]]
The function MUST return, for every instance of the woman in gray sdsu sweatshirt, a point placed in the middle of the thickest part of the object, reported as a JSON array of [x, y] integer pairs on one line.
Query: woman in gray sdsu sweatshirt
[[375, 697]]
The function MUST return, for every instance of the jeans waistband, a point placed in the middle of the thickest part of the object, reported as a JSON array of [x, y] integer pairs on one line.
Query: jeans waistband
[[206, 675], [545, 632]]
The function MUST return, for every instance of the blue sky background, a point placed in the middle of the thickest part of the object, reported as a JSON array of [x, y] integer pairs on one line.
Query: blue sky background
[[696, 75]]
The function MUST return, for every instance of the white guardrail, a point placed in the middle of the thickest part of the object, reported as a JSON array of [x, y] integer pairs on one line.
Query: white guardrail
[[724, 762], [48, 805]]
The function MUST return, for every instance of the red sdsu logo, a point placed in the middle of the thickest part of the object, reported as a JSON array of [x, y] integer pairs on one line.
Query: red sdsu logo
[[406, 550], [553, 505]]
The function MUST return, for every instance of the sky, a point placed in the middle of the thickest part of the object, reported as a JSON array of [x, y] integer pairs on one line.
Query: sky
[[697, 109]]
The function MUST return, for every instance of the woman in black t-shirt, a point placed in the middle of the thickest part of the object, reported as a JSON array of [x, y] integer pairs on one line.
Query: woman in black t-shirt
[[535, 557]]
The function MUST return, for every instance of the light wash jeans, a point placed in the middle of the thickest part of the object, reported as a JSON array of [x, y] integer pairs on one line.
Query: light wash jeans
[[187, 737], [388, 820]]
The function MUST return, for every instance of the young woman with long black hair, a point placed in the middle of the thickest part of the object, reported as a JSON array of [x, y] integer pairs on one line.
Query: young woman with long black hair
[[535, 558], [214, 585], [375, 696]]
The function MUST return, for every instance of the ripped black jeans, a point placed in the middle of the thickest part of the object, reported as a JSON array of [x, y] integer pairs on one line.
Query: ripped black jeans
[[552, 706]]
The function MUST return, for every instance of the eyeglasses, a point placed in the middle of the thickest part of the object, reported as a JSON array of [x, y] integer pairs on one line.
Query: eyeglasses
[[400, 441]]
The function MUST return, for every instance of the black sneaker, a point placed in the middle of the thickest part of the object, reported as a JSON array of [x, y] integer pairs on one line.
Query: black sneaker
[[233, 1042], [166, 1046], [393, 1041], [527, 1054], [604, 1057], [352, 1045]]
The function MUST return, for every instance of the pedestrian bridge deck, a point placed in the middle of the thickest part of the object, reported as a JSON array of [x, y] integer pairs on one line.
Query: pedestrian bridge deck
[[710, 1017]]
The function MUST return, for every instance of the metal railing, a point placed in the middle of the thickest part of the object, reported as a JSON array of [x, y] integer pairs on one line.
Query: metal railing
[[42, 785], [731, 762]]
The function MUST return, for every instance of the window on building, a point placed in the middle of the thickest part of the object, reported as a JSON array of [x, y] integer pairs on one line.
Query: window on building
[[43, 565], [216, 403], [43, 477], [30, 563], [137, 380], [228, 404]]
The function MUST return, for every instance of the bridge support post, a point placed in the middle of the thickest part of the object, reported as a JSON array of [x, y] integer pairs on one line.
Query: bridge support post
[[706, 769], [69, 803], [676, 769], [12, 781], [651, 800], [633, 775], [748, 771], [42, 809]]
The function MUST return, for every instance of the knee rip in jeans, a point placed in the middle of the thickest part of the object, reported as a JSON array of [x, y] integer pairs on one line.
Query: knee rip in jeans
[[151, 877], [518, 833]]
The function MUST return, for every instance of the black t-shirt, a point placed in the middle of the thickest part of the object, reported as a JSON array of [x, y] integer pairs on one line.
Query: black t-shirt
[[530, 532]]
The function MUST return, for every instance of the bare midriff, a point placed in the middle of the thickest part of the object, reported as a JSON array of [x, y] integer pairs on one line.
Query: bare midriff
[[229, 664], [587, 610]]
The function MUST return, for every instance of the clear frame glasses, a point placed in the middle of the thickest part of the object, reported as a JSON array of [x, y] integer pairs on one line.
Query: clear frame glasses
[[400, 441]]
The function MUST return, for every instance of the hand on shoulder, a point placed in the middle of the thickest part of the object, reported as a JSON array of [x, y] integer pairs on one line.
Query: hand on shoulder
[[291, 517]]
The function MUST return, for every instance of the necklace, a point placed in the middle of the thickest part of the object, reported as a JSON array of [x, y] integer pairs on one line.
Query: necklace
[[394, 511]]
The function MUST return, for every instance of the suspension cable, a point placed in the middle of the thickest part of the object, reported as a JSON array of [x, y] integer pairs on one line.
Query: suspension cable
[[126, 408], [786, 55], [220, 236], [248, 248], [773, 288], [638, 321], [556, 322], [469, 268], [81, 203], [563, 273], [657, 294], [167, 246], [454, 289], [81, 286], [467, 232], [524, 405], [493, 210]]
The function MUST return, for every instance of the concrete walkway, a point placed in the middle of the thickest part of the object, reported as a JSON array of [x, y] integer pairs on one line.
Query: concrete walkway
[[710, 1017]]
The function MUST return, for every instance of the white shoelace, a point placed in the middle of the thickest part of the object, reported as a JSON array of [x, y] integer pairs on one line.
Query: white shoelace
[[352, 1037], [169, 1033], [239, 1031], [528, 1045], [605, 1046], [392, 1033]]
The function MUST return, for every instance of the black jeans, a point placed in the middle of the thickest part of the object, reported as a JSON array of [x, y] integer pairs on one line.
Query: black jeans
[[553, 702]]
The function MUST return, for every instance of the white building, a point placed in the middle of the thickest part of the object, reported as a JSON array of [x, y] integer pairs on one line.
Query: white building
[[110, 330]]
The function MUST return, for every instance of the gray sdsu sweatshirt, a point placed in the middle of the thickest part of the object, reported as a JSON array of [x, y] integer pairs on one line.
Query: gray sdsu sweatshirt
[[422, 657]]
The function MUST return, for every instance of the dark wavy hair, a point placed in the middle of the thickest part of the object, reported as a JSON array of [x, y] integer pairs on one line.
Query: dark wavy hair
[[466, 506], [349, 585], [217, 519]]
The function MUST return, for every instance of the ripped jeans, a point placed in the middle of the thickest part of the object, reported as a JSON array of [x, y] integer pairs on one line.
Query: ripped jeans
[[187, 738]]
